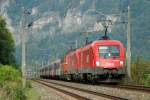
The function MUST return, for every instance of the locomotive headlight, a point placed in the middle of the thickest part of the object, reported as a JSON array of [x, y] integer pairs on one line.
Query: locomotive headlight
[[121, 62], [97, 63]]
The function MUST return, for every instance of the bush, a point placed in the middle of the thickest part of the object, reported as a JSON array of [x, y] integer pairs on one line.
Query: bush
[[10, 81], [141, 72], [147, 83]]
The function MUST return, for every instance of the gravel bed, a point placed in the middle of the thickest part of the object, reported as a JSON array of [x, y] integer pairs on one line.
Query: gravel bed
[[47, 93], [87, 95], [128, 94]]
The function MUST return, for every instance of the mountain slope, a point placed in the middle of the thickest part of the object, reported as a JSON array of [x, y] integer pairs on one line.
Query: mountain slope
[[66, 20]]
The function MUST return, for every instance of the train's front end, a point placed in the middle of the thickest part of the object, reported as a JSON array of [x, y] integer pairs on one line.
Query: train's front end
[[110, 60]]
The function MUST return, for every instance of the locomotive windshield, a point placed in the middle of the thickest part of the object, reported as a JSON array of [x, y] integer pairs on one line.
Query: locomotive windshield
[[109, 51]]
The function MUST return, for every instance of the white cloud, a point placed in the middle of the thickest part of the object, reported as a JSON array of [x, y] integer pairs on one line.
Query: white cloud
[[34, 11]]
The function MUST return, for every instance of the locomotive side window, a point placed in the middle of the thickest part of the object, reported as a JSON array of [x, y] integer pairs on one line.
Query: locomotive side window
[[109, 51]]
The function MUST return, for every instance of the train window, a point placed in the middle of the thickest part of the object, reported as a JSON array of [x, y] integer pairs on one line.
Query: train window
[[109, 51]]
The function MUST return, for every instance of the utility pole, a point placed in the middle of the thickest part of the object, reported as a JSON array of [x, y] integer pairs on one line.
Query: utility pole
[[129, 45], [48, 63], [43, 67], [23, 48], [36, 64]]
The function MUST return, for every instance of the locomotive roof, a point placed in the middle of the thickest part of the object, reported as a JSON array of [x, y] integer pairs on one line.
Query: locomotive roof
[[92, 44], [101, 42], [106, 41]]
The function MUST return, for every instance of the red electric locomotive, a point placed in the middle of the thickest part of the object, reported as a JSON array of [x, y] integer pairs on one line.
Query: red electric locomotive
[[101, 60]]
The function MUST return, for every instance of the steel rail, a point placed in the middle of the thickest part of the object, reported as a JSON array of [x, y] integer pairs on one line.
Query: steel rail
[[88, 91], [130, 87], [78, 97]]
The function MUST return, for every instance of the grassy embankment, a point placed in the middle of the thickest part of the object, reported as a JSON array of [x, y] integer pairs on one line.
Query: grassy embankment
[[140, 73], [11, 87]]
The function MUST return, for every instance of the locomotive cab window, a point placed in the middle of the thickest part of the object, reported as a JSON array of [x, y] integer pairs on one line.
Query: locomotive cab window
[[109, 51]]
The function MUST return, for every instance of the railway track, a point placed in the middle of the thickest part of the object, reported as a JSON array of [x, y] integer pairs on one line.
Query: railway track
[[63, 91], [130, 87], [127, 87], [79, 97]]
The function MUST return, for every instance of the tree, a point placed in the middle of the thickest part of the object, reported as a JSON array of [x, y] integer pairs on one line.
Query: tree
[[7, 45]]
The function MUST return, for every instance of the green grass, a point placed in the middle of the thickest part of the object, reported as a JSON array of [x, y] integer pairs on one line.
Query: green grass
[[10, 85], [32, 94]]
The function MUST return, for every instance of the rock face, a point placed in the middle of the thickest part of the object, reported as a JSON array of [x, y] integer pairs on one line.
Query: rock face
[[60, 21]]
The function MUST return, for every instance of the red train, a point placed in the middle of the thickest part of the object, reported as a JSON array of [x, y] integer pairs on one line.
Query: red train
[[100, 60]]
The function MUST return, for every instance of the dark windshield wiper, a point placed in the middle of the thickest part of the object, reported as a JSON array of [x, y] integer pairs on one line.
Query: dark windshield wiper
[[105, 56]]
